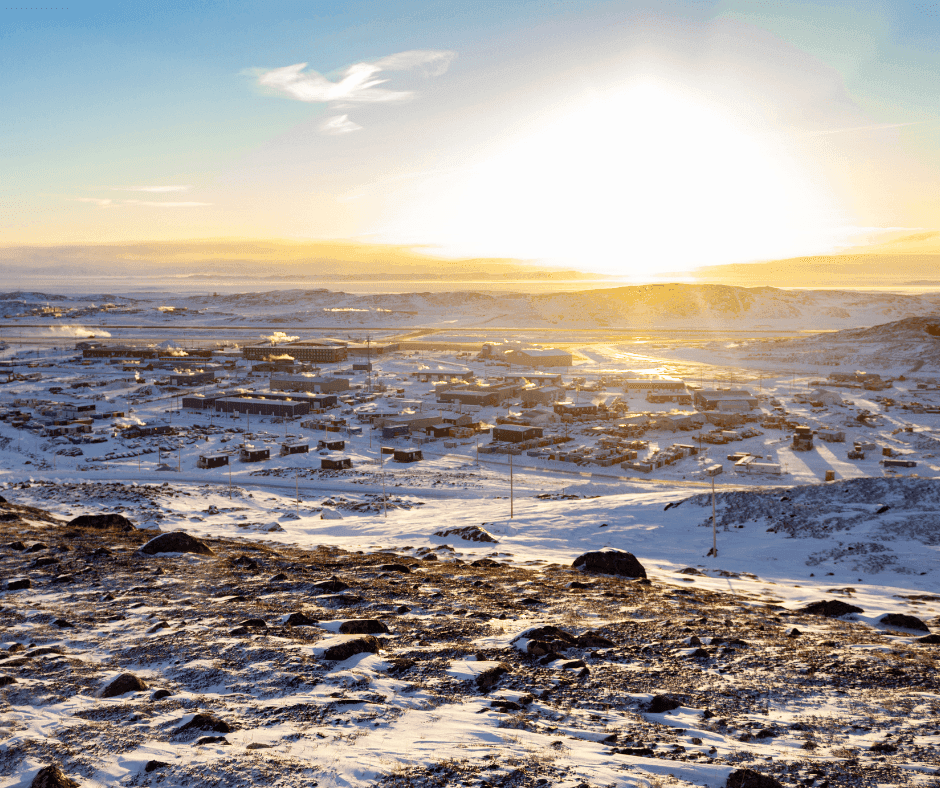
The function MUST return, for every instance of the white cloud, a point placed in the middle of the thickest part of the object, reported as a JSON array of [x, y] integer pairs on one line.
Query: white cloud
[[154, 204], [357, 84], [97, 201], [154, 189], [338, 124]]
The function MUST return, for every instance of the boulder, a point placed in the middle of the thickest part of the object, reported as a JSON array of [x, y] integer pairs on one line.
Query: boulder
[[332, 586], [550, 634], [402, 568], [205, 722], [903, 621], [126, 682], [152, 765], [176, 542], [19, 584], [362, 645], [109, 522], [51, 776], [610, 562], [831, 608], [930, 640], [469, 533], [748, 778], [660, 704], [489, 678], [363, 626], [300, 619]]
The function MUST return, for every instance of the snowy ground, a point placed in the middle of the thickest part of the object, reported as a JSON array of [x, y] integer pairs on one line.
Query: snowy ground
[[808, 709]]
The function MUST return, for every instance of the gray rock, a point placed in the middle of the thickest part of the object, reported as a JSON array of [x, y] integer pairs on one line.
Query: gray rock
[[831, 608], [610, 562], [363, 626], [362, 645], [747, 778], [52, 777], [176, 542], [904, 621]]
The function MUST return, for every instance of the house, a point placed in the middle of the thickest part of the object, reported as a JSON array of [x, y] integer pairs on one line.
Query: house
[[515, 433], [257, 406], [395, 431], [250, 453], [212, 460], [640, 385], [575, 410], [192, 378], [438, 430], [335, 463], [331, 445], [407, 455], [545, 395], [294, 447]]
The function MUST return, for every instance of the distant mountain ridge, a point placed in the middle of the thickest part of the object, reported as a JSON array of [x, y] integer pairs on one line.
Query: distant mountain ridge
[[640, 307]]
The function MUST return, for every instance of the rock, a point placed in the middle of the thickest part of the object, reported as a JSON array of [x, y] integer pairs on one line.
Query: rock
[[794, 633], [689, 570], [403, 568], [550, 634], [245, 562], [19, 584], [485, 563], [930, 640], [363, 626], [5, 681], [831, 608], [205, 722], [176, 542], [254, 623], [44, 561], [3, 500], [300, 619], [747, 778], [660, 704], [430, 557], [903, 621], [17, 545], [210, 740], [35, 547], [361, 645], [52, 777], [110, 522], [126, 682], [700, 653], [330, 514], [489, 678], [280, 577], [61, 623], [162, 624], [160, 694], [152, 765], [538, 648], [470, 533], [610, 562], [592, 639], [331, 586]]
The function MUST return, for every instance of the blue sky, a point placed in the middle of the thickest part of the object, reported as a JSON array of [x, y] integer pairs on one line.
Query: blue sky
[[523, 129]]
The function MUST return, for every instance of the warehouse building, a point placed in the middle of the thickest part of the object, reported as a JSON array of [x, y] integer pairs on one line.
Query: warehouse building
[[311, 383], [319, 352], [724, 399], [515, 433], [255, 406], [539, 357], [642, 385]]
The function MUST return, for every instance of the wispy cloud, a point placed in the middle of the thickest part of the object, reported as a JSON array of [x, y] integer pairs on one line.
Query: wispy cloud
[[154, 189], [876, 127], [338, 124], [360, 83], [109, 203]]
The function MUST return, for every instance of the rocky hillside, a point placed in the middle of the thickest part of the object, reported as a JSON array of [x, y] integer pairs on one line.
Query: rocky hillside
[[138, 658]]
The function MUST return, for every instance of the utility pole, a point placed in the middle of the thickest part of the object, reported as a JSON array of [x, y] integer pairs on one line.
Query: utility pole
[[384, 496], [297, 487], [230, 478], [511, 490]]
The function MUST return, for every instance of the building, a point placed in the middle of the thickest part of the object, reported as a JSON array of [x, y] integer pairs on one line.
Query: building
[[311, 383], [371, 349], [212, 460], [545, 395], [479, 396], [250, 453], [331, 445], [256, 406], [516, 433], [407, 455], [192, 378], [335, 463], [641, 385], [733, 400], [802, 439], [575, 411], [539, 357], [306, 350], [294, 447]]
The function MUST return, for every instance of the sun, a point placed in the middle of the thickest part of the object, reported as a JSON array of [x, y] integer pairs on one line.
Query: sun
[[633, 182]]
